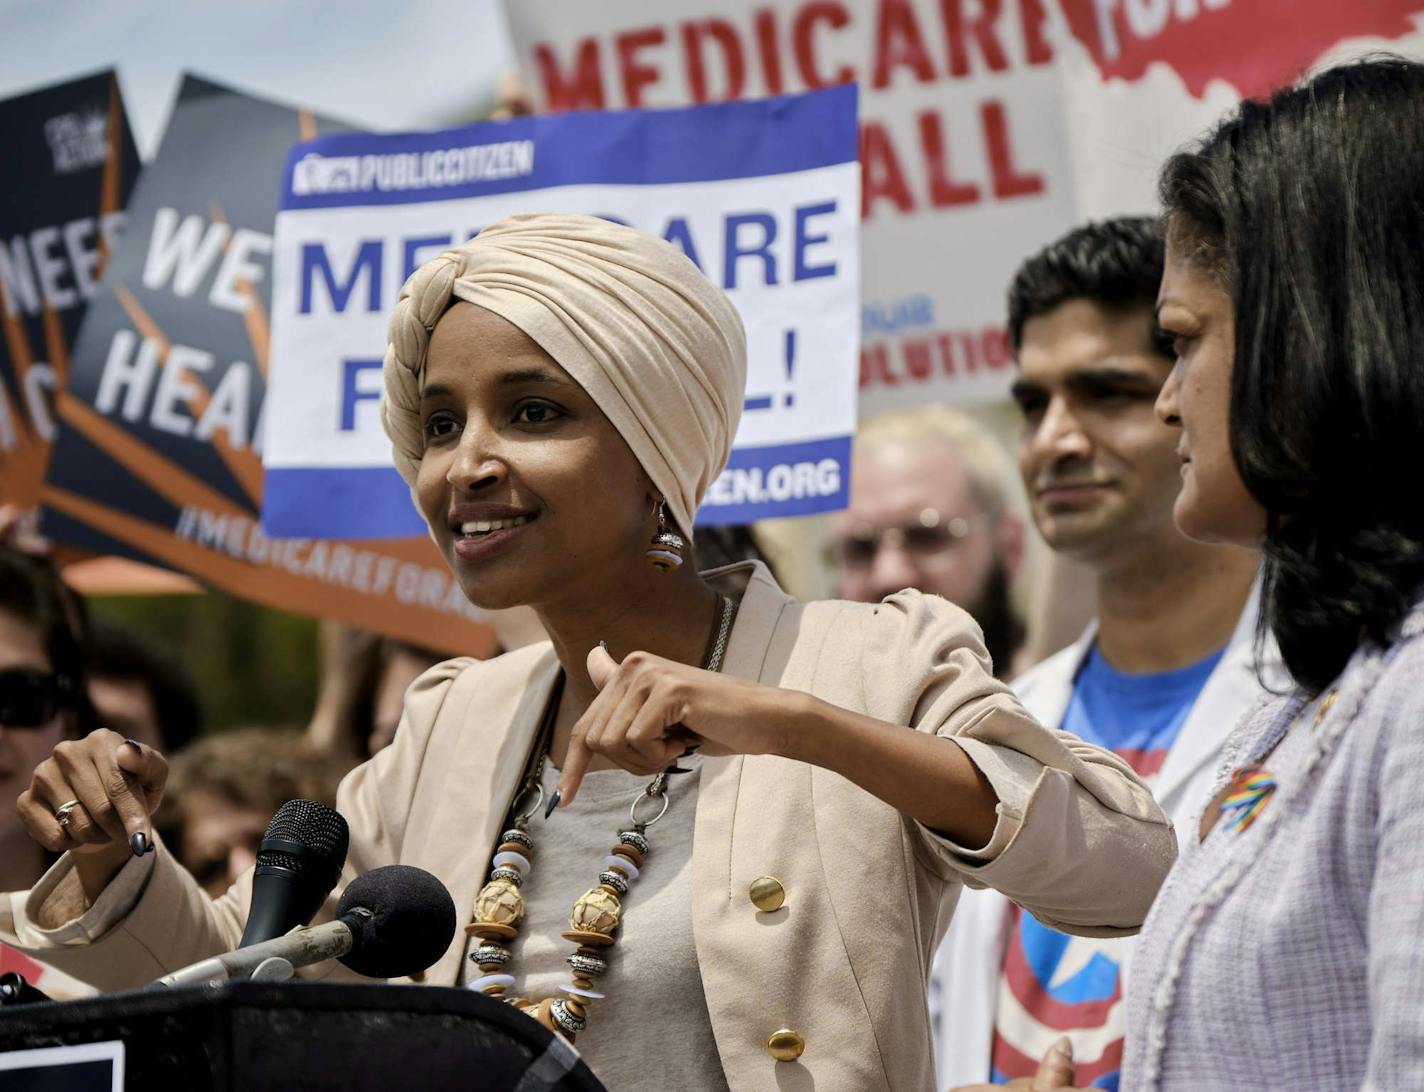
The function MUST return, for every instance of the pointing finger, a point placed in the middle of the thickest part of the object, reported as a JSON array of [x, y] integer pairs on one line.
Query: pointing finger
[[575, 766]]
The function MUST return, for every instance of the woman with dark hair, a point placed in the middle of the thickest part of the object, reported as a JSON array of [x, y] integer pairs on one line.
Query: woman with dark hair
[[1286, 949], [42, 698], [42, 703], [561, 392]]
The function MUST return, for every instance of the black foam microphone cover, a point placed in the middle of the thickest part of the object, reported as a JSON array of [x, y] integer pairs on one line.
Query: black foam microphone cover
[[298, 865], [411, 922]]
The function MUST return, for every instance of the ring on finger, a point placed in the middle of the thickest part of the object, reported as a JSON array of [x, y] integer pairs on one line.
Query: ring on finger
[[63, 812]]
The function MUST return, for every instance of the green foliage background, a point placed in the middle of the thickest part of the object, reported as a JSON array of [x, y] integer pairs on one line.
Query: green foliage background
[[253, 665]]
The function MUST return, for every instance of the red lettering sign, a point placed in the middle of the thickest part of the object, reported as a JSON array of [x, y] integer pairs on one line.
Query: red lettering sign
[[803, 37], [898, 43], [635, 73], [577, 90], [694, 37], [1254, 45]]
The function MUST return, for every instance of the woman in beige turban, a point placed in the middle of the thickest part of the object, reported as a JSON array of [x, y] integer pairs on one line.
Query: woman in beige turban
[[766, 809]]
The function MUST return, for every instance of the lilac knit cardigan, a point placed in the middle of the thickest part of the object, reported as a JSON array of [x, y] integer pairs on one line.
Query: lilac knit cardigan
[[1291, 955]]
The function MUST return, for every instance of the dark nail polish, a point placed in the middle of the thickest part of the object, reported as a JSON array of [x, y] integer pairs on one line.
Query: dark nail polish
[[139, 844], [552, 804], [676, 769], [136, 745], [603, 645], [691, 750]]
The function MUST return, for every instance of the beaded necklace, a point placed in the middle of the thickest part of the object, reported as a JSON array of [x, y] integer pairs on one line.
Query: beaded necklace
[[499, 907]]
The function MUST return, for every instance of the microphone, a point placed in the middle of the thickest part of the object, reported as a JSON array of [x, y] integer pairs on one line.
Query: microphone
[[409, 924], [16, 990], [298, 863], [391, 922]]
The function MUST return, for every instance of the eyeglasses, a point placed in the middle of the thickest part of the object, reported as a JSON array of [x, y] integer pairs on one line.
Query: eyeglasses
[[30, 698], [929, 537]]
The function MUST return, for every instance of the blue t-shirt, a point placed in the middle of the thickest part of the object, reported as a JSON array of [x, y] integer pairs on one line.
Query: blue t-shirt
[[1051, 983], [1137, 716]]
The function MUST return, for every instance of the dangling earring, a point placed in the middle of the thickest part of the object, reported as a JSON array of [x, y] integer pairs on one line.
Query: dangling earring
[[665, 551]]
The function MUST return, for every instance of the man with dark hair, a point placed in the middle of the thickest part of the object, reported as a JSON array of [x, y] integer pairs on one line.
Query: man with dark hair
[[1160, 676], [1114, 265], [140, 690]]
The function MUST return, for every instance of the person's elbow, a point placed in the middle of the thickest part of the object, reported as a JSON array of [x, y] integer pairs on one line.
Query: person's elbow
[[1122, 886]]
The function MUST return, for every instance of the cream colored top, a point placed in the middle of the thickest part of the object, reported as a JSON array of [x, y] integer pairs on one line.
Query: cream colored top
[[1079, 839]]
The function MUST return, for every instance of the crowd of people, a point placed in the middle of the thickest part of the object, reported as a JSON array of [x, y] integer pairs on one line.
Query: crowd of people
[[877, 848]]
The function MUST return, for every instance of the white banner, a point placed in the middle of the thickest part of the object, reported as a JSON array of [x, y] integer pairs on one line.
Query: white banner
[[989, 127], [763, 196], [966, 168], [1143, 78]]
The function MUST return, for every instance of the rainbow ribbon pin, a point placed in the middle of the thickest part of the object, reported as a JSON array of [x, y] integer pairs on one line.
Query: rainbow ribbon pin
[[1250, 788]]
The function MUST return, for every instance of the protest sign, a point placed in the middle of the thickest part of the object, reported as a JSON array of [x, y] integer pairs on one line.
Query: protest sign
[[762, 196], [1142, 79], [158, 458], [963, 152], [69, 166], [989, 127]]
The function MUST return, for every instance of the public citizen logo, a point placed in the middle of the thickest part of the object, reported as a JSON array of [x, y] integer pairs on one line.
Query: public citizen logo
[[78, 141], [316, 174]]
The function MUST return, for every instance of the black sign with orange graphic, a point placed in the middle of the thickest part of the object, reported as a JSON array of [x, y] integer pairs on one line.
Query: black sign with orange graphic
[[65, 177], [159, 450]]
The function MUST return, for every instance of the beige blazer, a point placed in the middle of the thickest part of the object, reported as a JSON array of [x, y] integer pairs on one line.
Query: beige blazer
[[844, 963]]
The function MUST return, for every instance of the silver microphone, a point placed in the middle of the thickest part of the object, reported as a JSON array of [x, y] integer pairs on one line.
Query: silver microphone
[[391, 922], [275, 960]]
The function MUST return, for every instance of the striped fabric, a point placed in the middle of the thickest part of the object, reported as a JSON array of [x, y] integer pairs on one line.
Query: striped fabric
[[1050, 983], [1067, 984]]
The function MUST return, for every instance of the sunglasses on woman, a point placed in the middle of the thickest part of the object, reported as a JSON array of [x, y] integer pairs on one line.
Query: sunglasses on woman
[[30, 698]]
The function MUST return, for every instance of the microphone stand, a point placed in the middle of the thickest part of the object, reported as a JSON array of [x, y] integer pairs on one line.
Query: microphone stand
[[275, 960]]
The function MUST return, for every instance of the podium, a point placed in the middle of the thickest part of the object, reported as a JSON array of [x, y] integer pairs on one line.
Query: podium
[[290, 1037]]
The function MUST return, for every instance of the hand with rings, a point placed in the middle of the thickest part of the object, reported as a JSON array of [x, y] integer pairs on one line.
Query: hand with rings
[[62, 813], [95, 796]]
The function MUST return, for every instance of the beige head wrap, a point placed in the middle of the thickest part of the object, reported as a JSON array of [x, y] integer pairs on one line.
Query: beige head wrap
[[657, 345]]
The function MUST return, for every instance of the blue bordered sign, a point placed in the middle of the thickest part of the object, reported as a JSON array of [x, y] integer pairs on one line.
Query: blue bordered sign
[[764, 196]]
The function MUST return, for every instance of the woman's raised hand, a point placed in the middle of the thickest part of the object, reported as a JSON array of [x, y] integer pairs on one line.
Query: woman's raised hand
[[649, 710], [95, 796]]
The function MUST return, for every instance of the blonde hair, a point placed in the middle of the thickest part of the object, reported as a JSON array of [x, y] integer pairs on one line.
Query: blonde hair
[[992, 473]]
